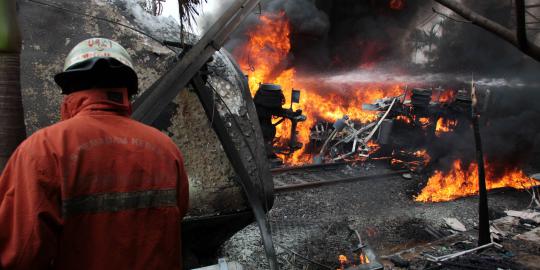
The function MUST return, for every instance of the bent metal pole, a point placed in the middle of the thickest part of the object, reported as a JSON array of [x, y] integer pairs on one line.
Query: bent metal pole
[[483, 217], [12, 128]]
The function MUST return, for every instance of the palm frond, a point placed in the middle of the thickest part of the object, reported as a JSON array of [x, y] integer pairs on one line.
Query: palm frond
[[188, 10]]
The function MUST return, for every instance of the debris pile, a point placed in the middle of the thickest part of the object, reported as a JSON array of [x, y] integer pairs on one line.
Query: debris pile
[[515, 245]]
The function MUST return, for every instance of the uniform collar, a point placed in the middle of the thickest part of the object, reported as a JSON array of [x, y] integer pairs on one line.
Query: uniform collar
[[96, 101]]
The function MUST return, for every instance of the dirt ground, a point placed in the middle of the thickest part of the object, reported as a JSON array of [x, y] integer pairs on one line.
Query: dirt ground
[[316, 223]]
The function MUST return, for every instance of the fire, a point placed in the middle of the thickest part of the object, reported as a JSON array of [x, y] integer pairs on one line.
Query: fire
[[342, 259], [373, 146], [411, 160], [462, 180], [445, 125], [423, 120], [363, 259], [422, 154], [447, 96], [345, 262], [404, 119], [264, 59], [397, 4]]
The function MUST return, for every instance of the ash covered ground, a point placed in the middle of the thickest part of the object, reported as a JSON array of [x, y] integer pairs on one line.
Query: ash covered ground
[[315, 223]]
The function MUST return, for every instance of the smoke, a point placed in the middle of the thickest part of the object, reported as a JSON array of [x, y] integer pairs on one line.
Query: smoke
[[344, 35], [509, 129], [162, 27], [352, 42]]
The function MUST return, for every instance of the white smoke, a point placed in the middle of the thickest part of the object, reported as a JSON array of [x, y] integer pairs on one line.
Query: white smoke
[[209, 12], [424, 80]]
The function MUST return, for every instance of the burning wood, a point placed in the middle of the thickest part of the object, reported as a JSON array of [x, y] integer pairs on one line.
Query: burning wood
[[461, 181], [445, 125]]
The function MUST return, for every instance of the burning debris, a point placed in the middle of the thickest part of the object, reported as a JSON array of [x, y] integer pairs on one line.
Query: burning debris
[[461, 181], [334, 122], [361, 256], [345, 117], [349, 113]]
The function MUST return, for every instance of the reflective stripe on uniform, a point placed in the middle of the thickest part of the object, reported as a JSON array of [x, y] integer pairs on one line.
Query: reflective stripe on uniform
[[119, 201]]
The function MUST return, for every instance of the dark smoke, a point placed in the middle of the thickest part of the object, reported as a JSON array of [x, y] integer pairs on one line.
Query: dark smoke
[[510, 133], [337, 36]]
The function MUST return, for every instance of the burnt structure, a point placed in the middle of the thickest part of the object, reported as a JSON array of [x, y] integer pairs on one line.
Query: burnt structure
[[269, 101]]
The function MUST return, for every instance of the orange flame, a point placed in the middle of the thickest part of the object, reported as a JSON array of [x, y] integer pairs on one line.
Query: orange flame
[[342, 261], [413, 159], [404, 119], [462, 181], [423, 155], [264, 59], [447, 96], [363, 259], [423, 120], [445, 125]]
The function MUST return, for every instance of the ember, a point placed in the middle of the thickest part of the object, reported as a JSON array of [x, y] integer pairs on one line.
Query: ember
[[397, 4], [447, 96], [423, 155], [342, 261], [404, 119], [358, 259], [445, 125], [423, 120], [462, 180]]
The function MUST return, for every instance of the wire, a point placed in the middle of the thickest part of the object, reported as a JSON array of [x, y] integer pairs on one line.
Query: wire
[[303, 257], [102, 19], [448, 17], [426, 20]]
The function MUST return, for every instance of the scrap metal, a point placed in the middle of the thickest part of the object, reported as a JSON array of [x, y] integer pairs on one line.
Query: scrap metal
[[348, 133]]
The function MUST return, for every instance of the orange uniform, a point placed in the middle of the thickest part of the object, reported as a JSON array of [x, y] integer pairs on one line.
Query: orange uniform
[[97, 190]]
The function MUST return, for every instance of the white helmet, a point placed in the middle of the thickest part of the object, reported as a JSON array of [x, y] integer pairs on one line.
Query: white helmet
[[97, 62]]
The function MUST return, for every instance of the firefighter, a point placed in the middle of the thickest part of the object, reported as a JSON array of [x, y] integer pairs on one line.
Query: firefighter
[[97, 190]]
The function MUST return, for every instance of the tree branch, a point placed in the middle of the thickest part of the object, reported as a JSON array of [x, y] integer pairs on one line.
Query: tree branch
[[502, 32]]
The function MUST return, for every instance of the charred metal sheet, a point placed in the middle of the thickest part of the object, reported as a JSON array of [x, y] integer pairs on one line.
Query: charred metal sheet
[[225, 127]]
